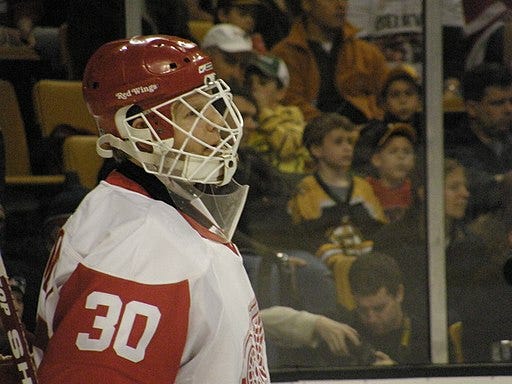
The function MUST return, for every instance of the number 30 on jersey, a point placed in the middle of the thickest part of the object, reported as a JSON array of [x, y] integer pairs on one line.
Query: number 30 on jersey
[[106, 325]]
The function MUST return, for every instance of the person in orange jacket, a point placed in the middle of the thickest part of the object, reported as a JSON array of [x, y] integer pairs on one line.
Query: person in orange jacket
[[331, 70]]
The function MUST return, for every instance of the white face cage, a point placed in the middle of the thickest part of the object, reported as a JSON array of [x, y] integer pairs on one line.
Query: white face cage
[[207, 129]]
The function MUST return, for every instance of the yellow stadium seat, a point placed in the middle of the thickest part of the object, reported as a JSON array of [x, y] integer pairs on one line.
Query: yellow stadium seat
[[61, 102], [17, 156], [340, 265], [79, 155], [455, 336], [198, 29]]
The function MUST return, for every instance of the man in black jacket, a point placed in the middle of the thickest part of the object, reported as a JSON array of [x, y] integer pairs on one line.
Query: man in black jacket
[[482, 140]]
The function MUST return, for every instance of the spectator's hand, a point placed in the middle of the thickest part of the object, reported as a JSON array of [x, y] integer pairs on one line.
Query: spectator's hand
[[382, 359], [336, 335]]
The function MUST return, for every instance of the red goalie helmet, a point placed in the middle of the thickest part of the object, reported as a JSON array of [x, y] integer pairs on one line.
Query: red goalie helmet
[[146, 79]]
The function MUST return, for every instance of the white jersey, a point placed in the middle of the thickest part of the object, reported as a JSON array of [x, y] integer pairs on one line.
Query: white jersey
[[137, 292]]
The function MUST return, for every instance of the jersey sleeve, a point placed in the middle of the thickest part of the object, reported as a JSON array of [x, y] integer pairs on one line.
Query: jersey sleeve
[[106, 326]]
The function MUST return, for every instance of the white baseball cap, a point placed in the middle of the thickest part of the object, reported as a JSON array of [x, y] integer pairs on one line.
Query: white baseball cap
[[228, 38]]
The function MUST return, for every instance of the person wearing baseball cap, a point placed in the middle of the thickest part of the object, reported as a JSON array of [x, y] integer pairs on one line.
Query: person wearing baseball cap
[[230, 49], [393, 160], [279, 132], [271, 67]]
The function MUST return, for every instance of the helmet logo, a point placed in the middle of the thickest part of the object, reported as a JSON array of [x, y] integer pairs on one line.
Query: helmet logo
[[205, 67], [136, 91]]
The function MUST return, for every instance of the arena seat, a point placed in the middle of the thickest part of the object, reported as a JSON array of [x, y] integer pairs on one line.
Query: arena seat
[[25, 195], [198, 29], [17, 157], [61, 102], [79, 156]]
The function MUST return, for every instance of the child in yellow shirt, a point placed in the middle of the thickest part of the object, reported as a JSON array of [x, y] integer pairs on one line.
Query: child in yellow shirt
[[279, 135]]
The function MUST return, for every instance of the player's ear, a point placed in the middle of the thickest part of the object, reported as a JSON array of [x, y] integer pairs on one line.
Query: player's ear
[[316, 151]]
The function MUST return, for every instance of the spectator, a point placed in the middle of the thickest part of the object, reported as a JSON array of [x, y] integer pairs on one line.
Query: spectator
[[400, 99], [312, 340], [263, 231], [456, 199], [279, 132], [468, 258], [243, 14], [481, 141], [380, 319], [386, 333], [294, 328], [405, 240], [473, 275], [495, 227], [230, 50], [393, 160], [263, 226], [467, 255], [36, 25], [486, 321], [266, 21], [17, 22], [175, 134], [269, 190], [331, 70], [333, 193]]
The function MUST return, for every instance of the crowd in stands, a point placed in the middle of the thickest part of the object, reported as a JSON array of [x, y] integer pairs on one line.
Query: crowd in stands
[[334, 154]]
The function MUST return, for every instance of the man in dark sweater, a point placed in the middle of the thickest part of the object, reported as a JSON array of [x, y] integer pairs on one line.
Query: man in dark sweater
[[482, 140]]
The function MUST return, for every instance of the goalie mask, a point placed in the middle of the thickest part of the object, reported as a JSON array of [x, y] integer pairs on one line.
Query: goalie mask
[[157, 99]]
